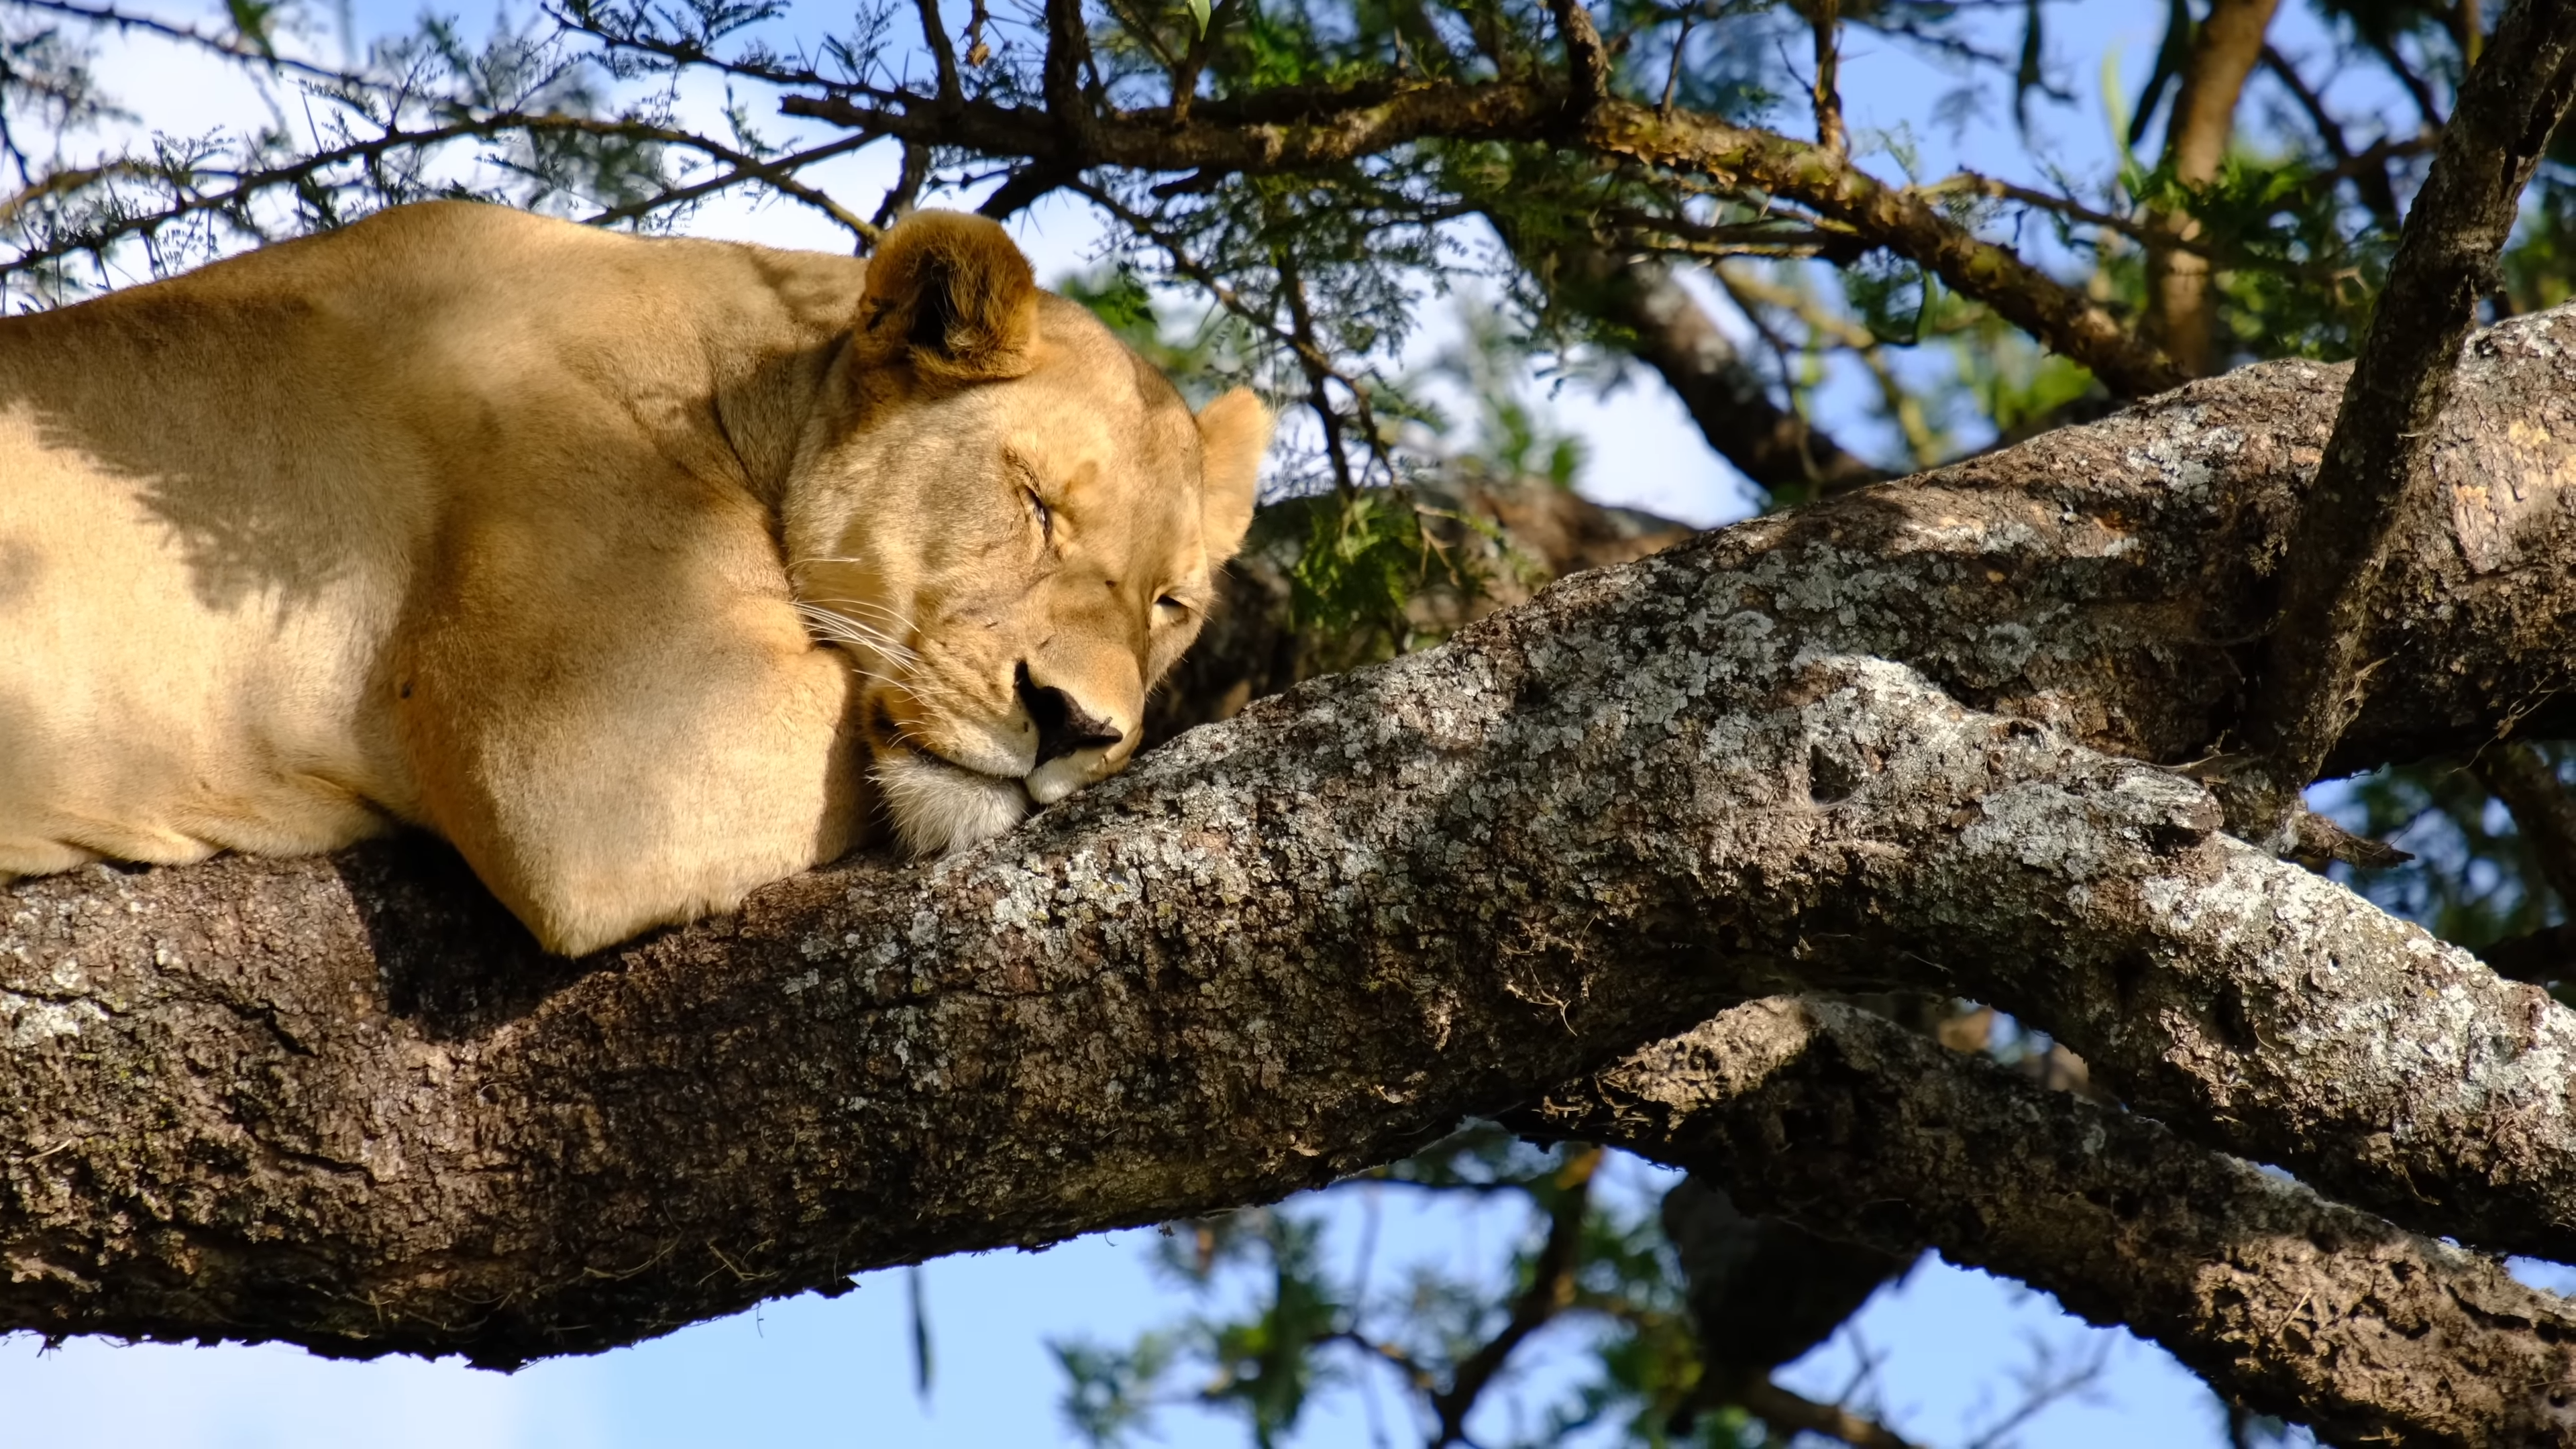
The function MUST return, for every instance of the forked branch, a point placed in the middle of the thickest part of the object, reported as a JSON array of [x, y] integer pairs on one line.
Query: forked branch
[[1854, 1127], [2377, 462]]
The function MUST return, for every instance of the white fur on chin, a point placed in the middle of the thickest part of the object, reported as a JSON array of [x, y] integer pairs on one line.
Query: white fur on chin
[[938, 808]]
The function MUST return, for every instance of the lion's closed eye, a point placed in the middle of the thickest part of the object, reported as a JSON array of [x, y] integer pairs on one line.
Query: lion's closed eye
[[1024, 476]]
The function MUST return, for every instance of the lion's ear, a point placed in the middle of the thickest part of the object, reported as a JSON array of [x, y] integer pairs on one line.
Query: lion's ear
[[950, 294], [1234, 431]]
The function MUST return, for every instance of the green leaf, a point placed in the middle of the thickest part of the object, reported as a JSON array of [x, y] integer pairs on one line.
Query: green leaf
[[1201, 12], [251, 20]]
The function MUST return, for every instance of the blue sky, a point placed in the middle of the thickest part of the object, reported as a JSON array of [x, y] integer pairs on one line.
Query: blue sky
[[1945, 1342]]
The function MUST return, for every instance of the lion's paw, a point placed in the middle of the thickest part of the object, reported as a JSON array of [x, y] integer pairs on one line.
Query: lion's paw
[[939, 808]]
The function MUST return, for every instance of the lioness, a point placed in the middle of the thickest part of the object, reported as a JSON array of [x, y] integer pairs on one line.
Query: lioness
[[644, 571]]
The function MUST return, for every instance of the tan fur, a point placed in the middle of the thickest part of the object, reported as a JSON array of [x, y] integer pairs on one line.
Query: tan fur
[[528, 533]]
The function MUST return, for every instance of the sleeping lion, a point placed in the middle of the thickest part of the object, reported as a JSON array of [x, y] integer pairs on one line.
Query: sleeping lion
[[644, 571]]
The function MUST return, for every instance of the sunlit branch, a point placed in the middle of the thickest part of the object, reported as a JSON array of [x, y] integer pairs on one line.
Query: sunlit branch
[[1318, 130]]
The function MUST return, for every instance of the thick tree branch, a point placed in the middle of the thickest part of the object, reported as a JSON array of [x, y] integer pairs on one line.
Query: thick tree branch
[[2376, 462], [2290, 1304], [343, 1102], [1297, 131]]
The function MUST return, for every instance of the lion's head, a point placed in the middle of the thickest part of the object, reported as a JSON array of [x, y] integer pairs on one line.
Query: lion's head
[[1011, 520]]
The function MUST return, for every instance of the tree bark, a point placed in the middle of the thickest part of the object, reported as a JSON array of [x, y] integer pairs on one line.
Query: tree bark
[[1907, 738], [2286, 1303]]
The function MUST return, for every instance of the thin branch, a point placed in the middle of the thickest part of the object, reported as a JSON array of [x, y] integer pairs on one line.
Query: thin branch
[[1550, 1291], [1771, 234], [1023, 187], [1068, 53], [1824, 17], [246, 185], [2543, 810], [905, 194], [1673, 74], [1977, 184], [2371, 177], [778, 175], [63, 183], [943, 54], [230, 47], [2540, 957], [1298, 339], [1193, 62], [2180, 288], [1902, 405], [1798, 1414], [2446, 261], [1304, 130], [2428, 109], [689, 55]]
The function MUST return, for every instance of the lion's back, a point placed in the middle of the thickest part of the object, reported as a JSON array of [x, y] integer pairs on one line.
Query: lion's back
[[219, 494]]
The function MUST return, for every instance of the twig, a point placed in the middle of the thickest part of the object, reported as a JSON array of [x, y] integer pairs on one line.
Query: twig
[[778, 176], [1310, 357], [1673, 74], [1901, 404], [59, 183], [688, 54], [1771, 232], [230, 47], [2446, 260], [2427, 109], [2371, 178], [1798, 1414], [1977, 184], [248, 184]]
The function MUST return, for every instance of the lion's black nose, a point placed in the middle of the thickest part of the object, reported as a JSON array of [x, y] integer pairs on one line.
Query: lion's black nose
[[1063, 727]]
